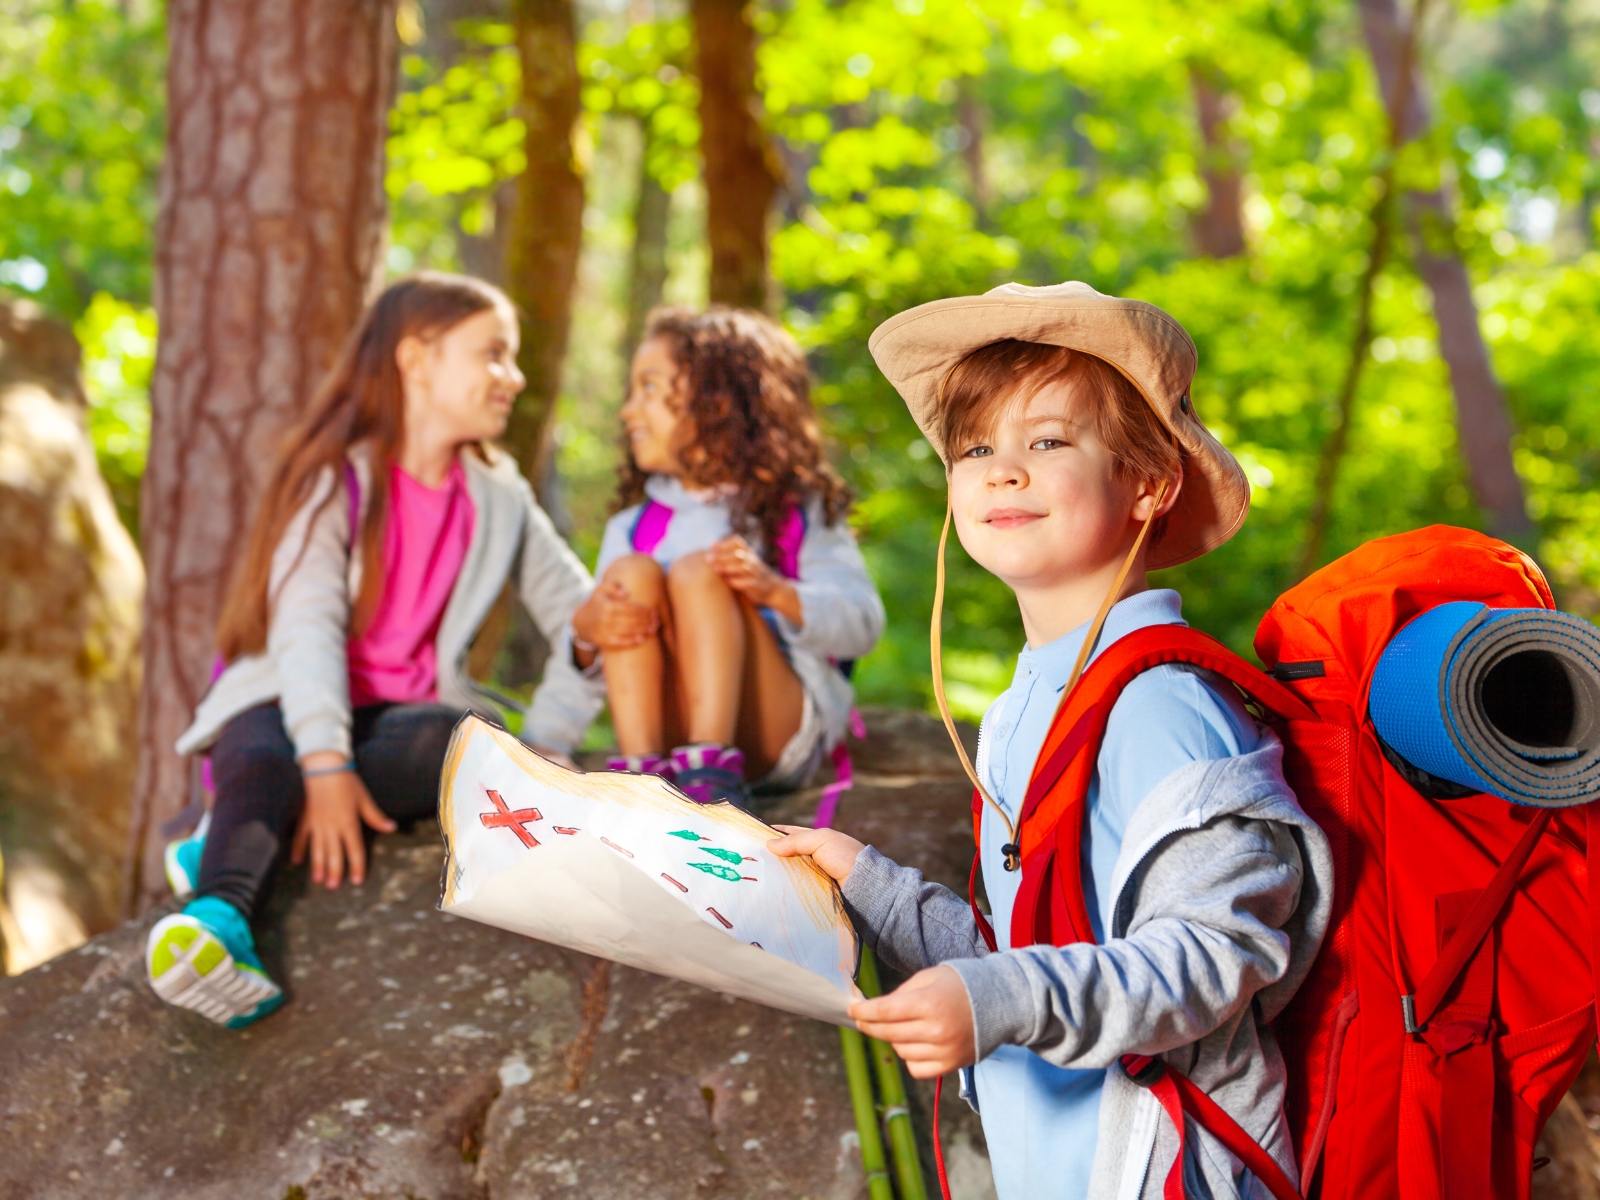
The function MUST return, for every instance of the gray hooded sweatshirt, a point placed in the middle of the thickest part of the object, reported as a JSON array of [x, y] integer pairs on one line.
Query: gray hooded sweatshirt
[[1218, 868]]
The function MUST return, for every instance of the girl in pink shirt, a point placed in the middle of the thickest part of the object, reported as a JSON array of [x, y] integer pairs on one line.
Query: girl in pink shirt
[[388, 529]]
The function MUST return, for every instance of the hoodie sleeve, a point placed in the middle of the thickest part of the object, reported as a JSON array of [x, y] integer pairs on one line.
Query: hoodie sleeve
[[552, 585], [843, 612], [308, 633], [906, 921], [1207, 933]]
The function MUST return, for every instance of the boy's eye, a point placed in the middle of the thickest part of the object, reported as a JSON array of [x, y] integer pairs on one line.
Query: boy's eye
[[977, 452], [1048, 443]]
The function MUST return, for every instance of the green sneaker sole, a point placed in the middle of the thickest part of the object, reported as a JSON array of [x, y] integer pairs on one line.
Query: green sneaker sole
[[190, 967]]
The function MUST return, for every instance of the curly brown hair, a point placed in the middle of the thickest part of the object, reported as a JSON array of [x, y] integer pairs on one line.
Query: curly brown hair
[[749, 405]]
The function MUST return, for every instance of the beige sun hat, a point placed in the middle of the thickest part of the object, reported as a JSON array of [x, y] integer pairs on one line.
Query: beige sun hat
[[917, 349]]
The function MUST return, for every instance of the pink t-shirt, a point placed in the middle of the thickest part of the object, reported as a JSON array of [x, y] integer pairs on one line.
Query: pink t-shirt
[[425, 544]]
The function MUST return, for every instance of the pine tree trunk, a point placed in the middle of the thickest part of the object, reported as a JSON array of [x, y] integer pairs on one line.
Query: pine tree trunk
[[647, 270], [547, 228], [1482, 421], [1219, 227], [742, 173], [269, 243]]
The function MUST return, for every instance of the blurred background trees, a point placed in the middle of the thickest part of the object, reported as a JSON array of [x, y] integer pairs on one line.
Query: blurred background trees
[[1380, 231]]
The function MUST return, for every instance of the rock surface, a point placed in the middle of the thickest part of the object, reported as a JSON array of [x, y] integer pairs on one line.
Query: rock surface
[[427, 1057], [70, 589]]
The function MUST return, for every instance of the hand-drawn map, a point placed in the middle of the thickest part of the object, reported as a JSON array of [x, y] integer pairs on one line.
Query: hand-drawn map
[[628, 868]]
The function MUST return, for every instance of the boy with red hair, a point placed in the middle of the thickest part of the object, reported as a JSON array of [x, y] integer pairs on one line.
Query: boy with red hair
[[1076, 463]]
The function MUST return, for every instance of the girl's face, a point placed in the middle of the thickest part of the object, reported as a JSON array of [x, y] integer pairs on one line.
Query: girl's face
[[461, 383], [653, 414], [1035, 499]]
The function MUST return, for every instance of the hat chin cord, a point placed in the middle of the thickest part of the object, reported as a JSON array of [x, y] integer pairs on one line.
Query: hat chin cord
[[1013, 848]]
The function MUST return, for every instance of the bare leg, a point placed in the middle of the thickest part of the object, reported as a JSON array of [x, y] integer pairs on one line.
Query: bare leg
[[710, 648], [639, 680], [774, 701], [736, 686]]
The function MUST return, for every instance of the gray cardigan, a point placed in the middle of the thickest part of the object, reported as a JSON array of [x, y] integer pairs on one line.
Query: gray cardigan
[[315, 578], [1222, 893]]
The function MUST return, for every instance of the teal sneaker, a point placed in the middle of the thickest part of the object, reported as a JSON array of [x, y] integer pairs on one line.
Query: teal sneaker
[[204, 959], [182, 859]]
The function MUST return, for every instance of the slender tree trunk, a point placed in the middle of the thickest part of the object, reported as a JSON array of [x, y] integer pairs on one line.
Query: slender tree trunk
[[742, 173], [647, 270], [269, 243], [1219, 228], [970, 114], [547, 229], [1483, 423]]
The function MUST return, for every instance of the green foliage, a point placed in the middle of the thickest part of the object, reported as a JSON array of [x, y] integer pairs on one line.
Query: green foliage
[[81, 127], [119, 355]]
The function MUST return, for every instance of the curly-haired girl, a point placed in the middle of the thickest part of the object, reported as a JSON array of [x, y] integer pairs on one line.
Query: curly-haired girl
[[732, 596]]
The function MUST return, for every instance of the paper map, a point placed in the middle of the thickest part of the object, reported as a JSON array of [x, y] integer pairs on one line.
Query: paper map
[[627, 868]]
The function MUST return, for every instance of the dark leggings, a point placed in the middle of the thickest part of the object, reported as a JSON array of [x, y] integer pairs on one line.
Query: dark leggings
[[399, 750]]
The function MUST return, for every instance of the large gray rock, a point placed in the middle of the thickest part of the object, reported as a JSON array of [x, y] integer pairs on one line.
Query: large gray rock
[[70, 589], [426, 1057]]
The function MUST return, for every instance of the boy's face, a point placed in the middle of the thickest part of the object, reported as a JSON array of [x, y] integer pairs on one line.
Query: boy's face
[[1034, 498]]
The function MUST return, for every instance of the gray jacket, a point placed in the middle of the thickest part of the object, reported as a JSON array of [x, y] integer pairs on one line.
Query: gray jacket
[[315, 578], [1221, 895]]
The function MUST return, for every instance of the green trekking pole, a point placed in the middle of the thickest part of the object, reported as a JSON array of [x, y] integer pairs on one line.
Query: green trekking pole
[[892, 1087], [859, 1076]]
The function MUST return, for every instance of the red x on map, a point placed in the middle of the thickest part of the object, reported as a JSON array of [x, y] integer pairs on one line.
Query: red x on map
[[504, 818]]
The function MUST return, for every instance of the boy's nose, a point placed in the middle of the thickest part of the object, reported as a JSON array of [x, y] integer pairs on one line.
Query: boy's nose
[[1005, 471]]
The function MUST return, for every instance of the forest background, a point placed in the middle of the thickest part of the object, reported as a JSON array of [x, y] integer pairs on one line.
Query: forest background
[[1240, 163]]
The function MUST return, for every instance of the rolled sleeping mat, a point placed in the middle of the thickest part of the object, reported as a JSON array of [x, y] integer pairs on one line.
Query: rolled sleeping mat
[[1499, 700]]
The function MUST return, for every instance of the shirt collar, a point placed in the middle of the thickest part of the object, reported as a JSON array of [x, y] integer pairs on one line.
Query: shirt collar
[[672, 492], [1054, 660]]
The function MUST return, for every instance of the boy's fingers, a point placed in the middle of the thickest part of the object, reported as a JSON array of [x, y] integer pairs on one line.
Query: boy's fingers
[[356, 854], [796, 840], [898, 1005]]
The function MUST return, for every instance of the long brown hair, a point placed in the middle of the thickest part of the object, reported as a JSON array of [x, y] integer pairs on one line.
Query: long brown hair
[[360, 400], [749, 406]]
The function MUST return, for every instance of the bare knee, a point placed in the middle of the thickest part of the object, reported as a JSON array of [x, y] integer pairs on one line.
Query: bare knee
[[639, 575], [693, 572]]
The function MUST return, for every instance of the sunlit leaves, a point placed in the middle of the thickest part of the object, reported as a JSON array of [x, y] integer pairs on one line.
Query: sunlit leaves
[[82, 114]]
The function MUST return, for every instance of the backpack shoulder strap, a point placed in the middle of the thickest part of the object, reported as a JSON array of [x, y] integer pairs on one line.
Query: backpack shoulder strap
[[1050, 903], [790, 539], [649, 527]]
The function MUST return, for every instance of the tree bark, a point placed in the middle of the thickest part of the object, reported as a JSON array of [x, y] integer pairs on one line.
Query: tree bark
[[741, 170], [647, 269], [269, 244], [1219, 227], [547, 229], [1482, 421]]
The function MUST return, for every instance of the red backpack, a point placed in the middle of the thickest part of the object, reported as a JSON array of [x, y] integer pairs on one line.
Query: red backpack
[[1476, 911]]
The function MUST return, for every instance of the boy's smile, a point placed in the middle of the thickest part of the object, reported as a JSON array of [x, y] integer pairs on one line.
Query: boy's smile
[[1038, 502]]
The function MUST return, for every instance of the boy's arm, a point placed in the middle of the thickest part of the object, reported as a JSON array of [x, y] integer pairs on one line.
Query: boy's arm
[[906, 921], [1206, 936]]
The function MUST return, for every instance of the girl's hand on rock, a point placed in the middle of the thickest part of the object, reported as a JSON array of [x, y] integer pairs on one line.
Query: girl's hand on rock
[[928, 1021], [330, 827], [831, 850], [611, 620]]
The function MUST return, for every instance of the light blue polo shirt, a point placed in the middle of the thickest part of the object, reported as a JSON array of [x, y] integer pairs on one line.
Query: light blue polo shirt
[[1041, 1121]]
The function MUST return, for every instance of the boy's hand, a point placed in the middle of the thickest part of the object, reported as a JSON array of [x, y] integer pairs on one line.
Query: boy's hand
[[330, 827], [831, 850], [928, 1021], [611, 620]]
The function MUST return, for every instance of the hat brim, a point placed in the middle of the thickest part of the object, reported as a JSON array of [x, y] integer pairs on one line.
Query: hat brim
[[917, 349]]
